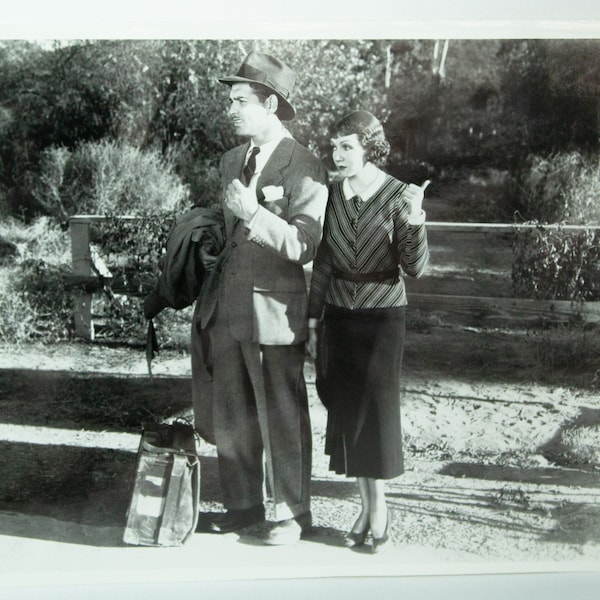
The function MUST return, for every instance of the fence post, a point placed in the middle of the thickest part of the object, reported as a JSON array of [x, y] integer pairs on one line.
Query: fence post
[[82, 269]]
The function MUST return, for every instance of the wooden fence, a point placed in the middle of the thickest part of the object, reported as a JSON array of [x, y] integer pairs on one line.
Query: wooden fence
[[468, 280]]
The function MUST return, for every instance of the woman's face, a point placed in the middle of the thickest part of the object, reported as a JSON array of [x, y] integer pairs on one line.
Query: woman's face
[[348, 154]]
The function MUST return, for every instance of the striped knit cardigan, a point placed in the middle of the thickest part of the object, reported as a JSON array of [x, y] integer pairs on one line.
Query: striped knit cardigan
[[366, 237]]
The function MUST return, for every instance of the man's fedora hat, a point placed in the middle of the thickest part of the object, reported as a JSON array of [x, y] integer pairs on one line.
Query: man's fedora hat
[[271, 73]]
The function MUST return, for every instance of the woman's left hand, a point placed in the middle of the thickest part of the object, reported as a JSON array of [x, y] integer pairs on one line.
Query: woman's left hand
[[413, 195], [311, 342]]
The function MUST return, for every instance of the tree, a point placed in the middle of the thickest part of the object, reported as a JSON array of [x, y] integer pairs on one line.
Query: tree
[[553, 86], [446, 103], [54, 99]]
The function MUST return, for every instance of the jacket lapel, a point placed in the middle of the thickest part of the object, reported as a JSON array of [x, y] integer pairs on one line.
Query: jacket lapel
[[272, 173], [278, 161]]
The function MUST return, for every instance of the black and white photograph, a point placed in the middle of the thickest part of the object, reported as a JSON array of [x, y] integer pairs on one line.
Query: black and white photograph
[[296, 305]]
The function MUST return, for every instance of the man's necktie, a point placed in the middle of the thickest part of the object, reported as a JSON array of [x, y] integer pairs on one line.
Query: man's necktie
[[250, 166]]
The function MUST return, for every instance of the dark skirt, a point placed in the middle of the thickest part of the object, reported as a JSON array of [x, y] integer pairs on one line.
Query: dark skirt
[[359, 382]]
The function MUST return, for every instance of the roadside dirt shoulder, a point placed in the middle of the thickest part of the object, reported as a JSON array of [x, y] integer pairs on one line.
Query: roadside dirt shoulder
[[481, 481]]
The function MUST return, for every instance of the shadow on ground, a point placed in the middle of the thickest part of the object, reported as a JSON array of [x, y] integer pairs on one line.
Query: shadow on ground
[[576, 524], [78, 493], [73, 495], [542, 511], [81, 495], [539, 476], [92, 401]]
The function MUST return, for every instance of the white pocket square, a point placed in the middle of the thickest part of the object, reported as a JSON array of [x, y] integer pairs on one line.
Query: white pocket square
[[272, 192]]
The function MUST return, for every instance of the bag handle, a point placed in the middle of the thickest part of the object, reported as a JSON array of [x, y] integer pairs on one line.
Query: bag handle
[[159, 427]]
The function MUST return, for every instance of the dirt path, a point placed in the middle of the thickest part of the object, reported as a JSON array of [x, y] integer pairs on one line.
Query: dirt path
[[483, 483]]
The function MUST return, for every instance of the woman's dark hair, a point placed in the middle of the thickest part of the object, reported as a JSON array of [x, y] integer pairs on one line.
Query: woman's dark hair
[[369, 132]]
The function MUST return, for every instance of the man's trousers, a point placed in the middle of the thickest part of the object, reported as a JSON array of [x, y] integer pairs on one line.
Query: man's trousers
[[260, 415]]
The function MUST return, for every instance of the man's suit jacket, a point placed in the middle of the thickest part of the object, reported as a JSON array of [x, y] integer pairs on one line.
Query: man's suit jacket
[[259, 278]]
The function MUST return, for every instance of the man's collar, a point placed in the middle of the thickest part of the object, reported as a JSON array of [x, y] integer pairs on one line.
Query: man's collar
[[272, 143]]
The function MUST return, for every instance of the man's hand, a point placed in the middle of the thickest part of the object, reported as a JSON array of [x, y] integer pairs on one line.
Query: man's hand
[[241, 200], [311, 342], [208, 260], [414, 198]]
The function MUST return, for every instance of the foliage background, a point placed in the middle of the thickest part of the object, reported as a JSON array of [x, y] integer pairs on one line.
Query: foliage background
[[473, 103], [507, 129]]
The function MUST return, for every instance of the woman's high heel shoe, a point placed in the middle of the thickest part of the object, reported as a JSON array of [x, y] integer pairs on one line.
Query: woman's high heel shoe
[[380, 542], [357, 539]]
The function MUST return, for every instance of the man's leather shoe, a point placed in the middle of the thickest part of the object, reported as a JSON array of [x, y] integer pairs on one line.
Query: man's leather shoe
[[289, 531], [235, 519]]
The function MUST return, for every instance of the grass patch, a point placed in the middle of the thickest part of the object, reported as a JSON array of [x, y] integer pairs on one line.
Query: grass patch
[[581, 445]]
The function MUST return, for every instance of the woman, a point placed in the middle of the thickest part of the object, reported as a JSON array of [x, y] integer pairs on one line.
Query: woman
[[374, 225]]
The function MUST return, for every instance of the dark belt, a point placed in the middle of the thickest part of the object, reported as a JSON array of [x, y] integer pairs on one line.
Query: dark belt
[[367, 277]]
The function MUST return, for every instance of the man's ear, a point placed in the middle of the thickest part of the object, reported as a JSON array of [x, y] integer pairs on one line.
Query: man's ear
[[272, 103]]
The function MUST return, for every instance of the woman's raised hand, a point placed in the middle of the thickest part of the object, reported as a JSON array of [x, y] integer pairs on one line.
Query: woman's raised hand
[[413, 195]]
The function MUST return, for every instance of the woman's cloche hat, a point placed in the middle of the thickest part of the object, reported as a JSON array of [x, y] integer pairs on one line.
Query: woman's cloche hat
[[271, 73]]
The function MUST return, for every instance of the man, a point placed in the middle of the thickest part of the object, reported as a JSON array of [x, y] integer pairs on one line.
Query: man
[[254, 307]]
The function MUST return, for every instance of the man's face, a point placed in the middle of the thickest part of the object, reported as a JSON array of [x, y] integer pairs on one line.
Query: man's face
[[247, 111]]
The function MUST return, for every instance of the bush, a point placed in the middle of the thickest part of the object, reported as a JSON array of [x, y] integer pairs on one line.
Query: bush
[[562, 187], [113, 180], [133, 249], [35, 302], [35, 299], [103, 178], [106, 177], [42, 239], [36, 289], [202, 178], [581, 445], [552, 263]]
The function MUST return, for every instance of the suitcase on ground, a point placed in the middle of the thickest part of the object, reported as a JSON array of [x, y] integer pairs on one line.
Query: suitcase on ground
[[163, 508]]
